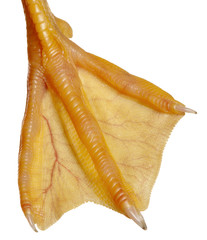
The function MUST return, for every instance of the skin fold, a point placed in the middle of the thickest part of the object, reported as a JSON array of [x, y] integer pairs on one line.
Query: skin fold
[[91, 131]]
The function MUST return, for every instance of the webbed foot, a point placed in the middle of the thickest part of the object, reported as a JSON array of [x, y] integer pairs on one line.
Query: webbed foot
[[91, 131]]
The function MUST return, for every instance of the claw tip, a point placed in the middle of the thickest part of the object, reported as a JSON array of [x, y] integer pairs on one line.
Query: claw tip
[[184, 109], [30, 220], [136, 216]]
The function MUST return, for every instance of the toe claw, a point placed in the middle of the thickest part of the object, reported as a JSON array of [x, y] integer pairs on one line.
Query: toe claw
[[30, 220], [184, 109], [136, 216]]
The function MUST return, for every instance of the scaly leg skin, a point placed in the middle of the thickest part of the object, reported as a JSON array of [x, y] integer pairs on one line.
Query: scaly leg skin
[[91, 131]]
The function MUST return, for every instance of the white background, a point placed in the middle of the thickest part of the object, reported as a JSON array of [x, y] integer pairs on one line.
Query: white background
[[164, 42]]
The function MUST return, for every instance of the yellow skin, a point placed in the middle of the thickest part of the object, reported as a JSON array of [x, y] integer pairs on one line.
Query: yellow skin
[[91, 131]]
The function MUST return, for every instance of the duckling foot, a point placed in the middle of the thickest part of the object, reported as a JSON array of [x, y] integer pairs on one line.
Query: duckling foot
[[91, 131]]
